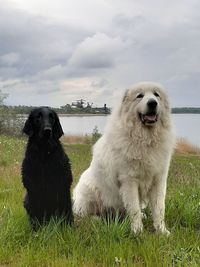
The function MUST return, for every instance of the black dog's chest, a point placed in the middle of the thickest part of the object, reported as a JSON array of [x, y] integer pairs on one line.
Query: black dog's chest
[[45, 175], [48, 173], [47, 179]]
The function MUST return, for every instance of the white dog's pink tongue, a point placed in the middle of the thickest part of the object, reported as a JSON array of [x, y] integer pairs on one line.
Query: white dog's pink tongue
[[150, 117]]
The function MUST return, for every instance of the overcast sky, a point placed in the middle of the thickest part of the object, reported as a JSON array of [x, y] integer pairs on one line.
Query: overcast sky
[[54, 52]]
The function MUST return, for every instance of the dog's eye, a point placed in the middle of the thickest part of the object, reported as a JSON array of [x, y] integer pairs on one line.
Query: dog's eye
[[39, 115], [156, 94], [140, 96]]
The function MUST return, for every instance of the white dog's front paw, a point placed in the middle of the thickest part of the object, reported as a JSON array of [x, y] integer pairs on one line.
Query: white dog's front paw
[[166, 232], [144, 216], [162, 229], [137, 227]]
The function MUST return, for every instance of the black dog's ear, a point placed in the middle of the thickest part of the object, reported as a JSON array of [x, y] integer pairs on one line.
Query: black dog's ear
[[57, 128], [28, 128]]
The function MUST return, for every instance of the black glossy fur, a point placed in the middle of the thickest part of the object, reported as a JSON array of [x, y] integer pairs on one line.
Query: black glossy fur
[[46, 171]]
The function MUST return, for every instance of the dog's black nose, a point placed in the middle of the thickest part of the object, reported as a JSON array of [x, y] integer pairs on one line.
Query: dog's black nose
[[47, 131], [152, 103]]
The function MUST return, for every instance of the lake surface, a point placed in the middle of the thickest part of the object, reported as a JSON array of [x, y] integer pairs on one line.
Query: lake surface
[[187, 125]]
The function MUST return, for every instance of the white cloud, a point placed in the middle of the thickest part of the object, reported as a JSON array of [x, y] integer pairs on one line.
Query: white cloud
[[98, 51], [9, 59]]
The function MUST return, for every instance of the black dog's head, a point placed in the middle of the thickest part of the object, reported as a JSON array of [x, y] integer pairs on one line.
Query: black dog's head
[[43, 123]]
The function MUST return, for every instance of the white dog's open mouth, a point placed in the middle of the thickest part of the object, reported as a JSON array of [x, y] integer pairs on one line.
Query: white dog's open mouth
[[149, 118]]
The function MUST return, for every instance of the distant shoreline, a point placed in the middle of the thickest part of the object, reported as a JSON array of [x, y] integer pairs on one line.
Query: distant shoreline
[[71, 115], [81, 115], [96, 115], [81, 112]]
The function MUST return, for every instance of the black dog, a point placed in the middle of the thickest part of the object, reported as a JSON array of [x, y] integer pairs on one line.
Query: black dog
[[46, 171]]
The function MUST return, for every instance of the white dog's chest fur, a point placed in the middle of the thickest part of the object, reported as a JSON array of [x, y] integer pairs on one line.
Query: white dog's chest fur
[[145, 171], [148, 165]]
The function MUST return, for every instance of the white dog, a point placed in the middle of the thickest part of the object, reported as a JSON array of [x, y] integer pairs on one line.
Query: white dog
[[130, 161]]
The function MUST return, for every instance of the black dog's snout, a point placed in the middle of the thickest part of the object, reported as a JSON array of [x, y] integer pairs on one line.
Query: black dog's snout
[[47, 131], [152, 104]]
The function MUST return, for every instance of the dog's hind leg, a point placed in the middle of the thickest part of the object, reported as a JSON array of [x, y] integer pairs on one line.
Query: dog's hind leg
[[84, 202]]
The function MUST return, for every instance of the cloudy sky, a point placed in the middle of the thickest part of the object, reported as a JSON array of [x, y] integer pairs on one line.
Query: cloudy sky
[[54, 52]]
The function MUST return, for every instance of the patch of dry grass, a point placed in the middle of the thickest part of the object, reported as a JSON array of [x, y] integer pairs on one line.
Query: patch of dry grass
[[185, 147], [182, 147], [75, 139]]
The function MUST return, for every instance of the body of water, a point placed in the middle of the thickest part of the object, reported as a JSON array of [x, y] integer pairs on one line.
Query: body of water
[[187, 125]]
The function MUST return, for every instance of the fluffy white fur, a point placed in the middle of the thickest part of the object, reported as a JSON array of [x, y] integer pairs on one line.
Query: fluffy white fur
[[130, 161]]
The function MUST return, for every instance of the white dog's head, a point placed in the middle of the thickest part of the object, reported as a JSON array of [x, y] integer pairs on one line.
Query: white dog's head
[[147, 103]]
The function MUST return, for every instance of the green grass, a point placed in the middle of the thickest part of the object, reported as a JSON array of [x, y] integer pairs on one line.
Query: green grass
[[92, 242]]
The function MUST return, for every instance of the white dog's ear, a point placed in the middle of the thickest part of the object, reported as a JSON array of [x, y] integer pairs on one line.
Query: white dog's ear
[[124, 99], [125, 95]]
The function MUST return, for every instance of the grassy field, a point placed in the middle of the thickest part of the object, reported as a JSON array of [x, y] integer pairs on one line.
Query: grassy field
[[96, 243]]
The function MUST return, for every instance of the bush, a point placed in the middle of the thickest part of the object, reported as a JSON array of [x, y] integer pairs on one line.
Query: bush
[[10, 123], [95, 134]]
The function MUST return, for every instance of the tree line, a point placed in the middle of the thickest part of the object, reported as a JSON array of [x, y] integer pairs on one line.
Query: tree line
[[190, 110], [68, 109]]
